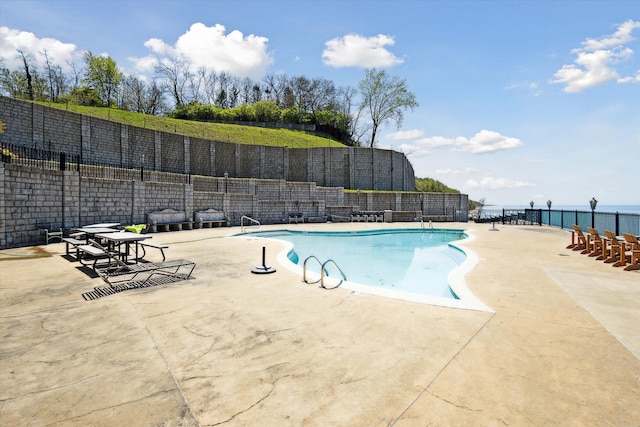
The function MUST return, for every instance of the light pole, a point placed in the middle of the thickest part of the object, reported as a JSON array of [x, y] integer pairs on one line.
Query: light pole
[[593, 202], [549, 206]]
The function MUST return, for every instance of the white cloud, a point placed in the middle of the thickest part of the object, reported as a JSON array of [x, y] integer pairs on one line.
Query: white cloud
[[465, 171], [158, 46], [620, 37], [491, 183], [595, 61], [414, 150], [145, 64], [532, 87], [211, 48], [487, 141], [354, 50], [11, 40], [405, 134], [483, 142]]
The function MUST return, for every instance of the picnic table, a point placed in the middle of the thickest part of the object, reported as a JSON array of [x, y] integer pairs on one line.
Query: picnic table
[[115, 241], [103, 225]]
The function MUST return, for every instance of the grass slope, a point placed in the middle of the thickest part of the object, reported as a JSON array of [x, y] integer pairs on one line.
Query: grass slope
[[212, 131]]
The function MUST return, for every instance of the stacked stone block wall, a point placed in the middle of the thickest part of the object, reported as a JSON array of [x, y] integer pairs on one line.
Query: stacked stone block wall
[[31, 195], [104, 141]]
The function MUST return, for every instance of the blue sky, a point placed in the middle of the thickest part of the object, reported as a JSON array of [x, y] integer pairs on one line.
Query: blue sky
[[519, 100]]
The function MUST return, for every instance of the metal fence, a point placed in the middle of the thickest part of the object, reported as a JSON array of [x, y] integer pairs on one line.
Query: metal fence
[[53, 160], [618, 222]]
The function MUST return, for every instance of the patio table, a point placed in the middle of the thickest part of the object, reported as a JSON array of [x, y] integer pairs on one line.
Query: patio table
[[117, 239], [91, 232], [103, 225]]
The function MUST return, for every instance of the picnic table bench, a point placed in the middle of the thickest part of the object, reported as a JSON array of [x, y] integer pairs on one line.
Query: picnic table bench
[[87, 252], [72, 241]]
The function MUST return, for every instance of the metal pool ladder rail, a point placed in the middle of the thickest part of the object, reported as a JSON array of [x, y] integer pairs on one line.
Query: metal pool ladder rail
[[322, 271], [251, 220]]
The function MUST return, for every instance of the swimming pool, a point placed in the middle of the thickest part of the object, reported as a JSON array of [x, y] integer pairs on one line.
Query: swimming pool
[[411, 264]]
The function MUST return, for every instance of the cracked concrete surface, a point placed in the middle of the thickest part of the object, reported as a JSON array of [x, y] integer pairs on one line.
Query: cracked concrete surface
[[233, 348]]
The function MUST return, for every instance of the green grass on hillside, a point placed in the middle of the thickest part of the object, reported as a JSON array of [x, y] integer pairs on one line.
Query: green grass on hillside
[[212, 131]]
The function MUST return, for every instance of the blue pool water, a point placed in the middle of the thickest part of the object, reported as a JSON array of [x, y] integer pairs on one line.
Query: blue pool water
[[416, 261]]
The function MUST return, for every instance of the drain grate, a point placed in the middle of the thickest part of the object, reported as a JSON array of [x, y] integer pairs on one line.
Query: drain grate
[[103, 291]]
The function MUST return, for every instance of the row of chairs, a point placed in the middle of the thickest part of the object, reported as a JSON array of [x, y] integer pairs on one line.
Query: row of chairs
[[621, 252]]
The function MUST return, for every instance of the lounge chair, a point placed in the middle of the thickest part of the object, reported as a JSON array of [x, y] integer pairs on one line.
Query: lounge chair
[[141, 273], [581, 244], [615, 250], [634, 253], [596, 243]]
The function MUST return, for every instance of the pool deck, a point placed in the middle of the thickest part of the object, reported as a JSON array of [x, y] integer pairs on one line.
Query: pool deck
[[561, 347]]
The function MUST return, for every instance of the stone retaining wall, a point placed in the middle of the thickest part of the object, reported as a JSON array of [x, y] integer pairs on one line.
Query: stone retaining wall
[[31, 195], [104, 141]]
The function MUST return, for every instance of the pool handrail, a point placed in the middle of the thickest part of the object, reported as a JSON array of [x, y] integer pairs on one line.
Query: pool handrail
[[304, 269], [323, 270], [251, 220]]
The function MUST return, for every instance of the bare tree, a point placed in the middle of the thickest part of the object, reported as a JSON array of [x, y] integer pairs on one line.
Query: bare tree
[[56, 79], [197, 85], [245, 90], [75, 76], [140, 97], [175, 74], [26, 58], [210, 86], [384, 98], [222, 98], [274, 87]]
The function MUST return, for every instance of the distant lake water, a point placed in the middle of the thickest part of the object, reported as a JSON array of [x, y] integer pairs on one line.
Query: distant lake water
[[634, 209]]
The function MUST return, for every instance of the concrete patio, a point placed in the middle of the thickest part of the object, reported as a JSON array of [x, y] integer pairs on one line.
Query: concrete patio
[[234, 348]]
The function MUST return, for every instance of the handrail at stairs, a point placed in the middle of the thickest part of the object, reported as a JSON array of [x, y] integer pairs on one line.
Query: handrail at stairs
[[251, 220], [323, 271]]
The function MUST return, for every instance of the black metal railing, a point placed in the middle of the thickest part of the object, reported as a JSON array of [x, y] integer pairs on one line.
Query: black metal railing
[[618, 222], [53, 160], [37, 157]]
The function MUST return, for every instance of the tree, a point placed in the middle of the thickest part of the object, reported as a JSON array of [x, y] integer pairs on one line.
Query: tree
[[56, 79], [385, 98], [26, 58], [140, 97], [175, 73], [103, 76]]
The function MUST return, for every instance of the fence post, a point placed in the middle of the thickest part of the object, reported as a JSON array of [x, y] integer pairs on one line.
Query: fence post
[[540, 217], [63, 160]]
